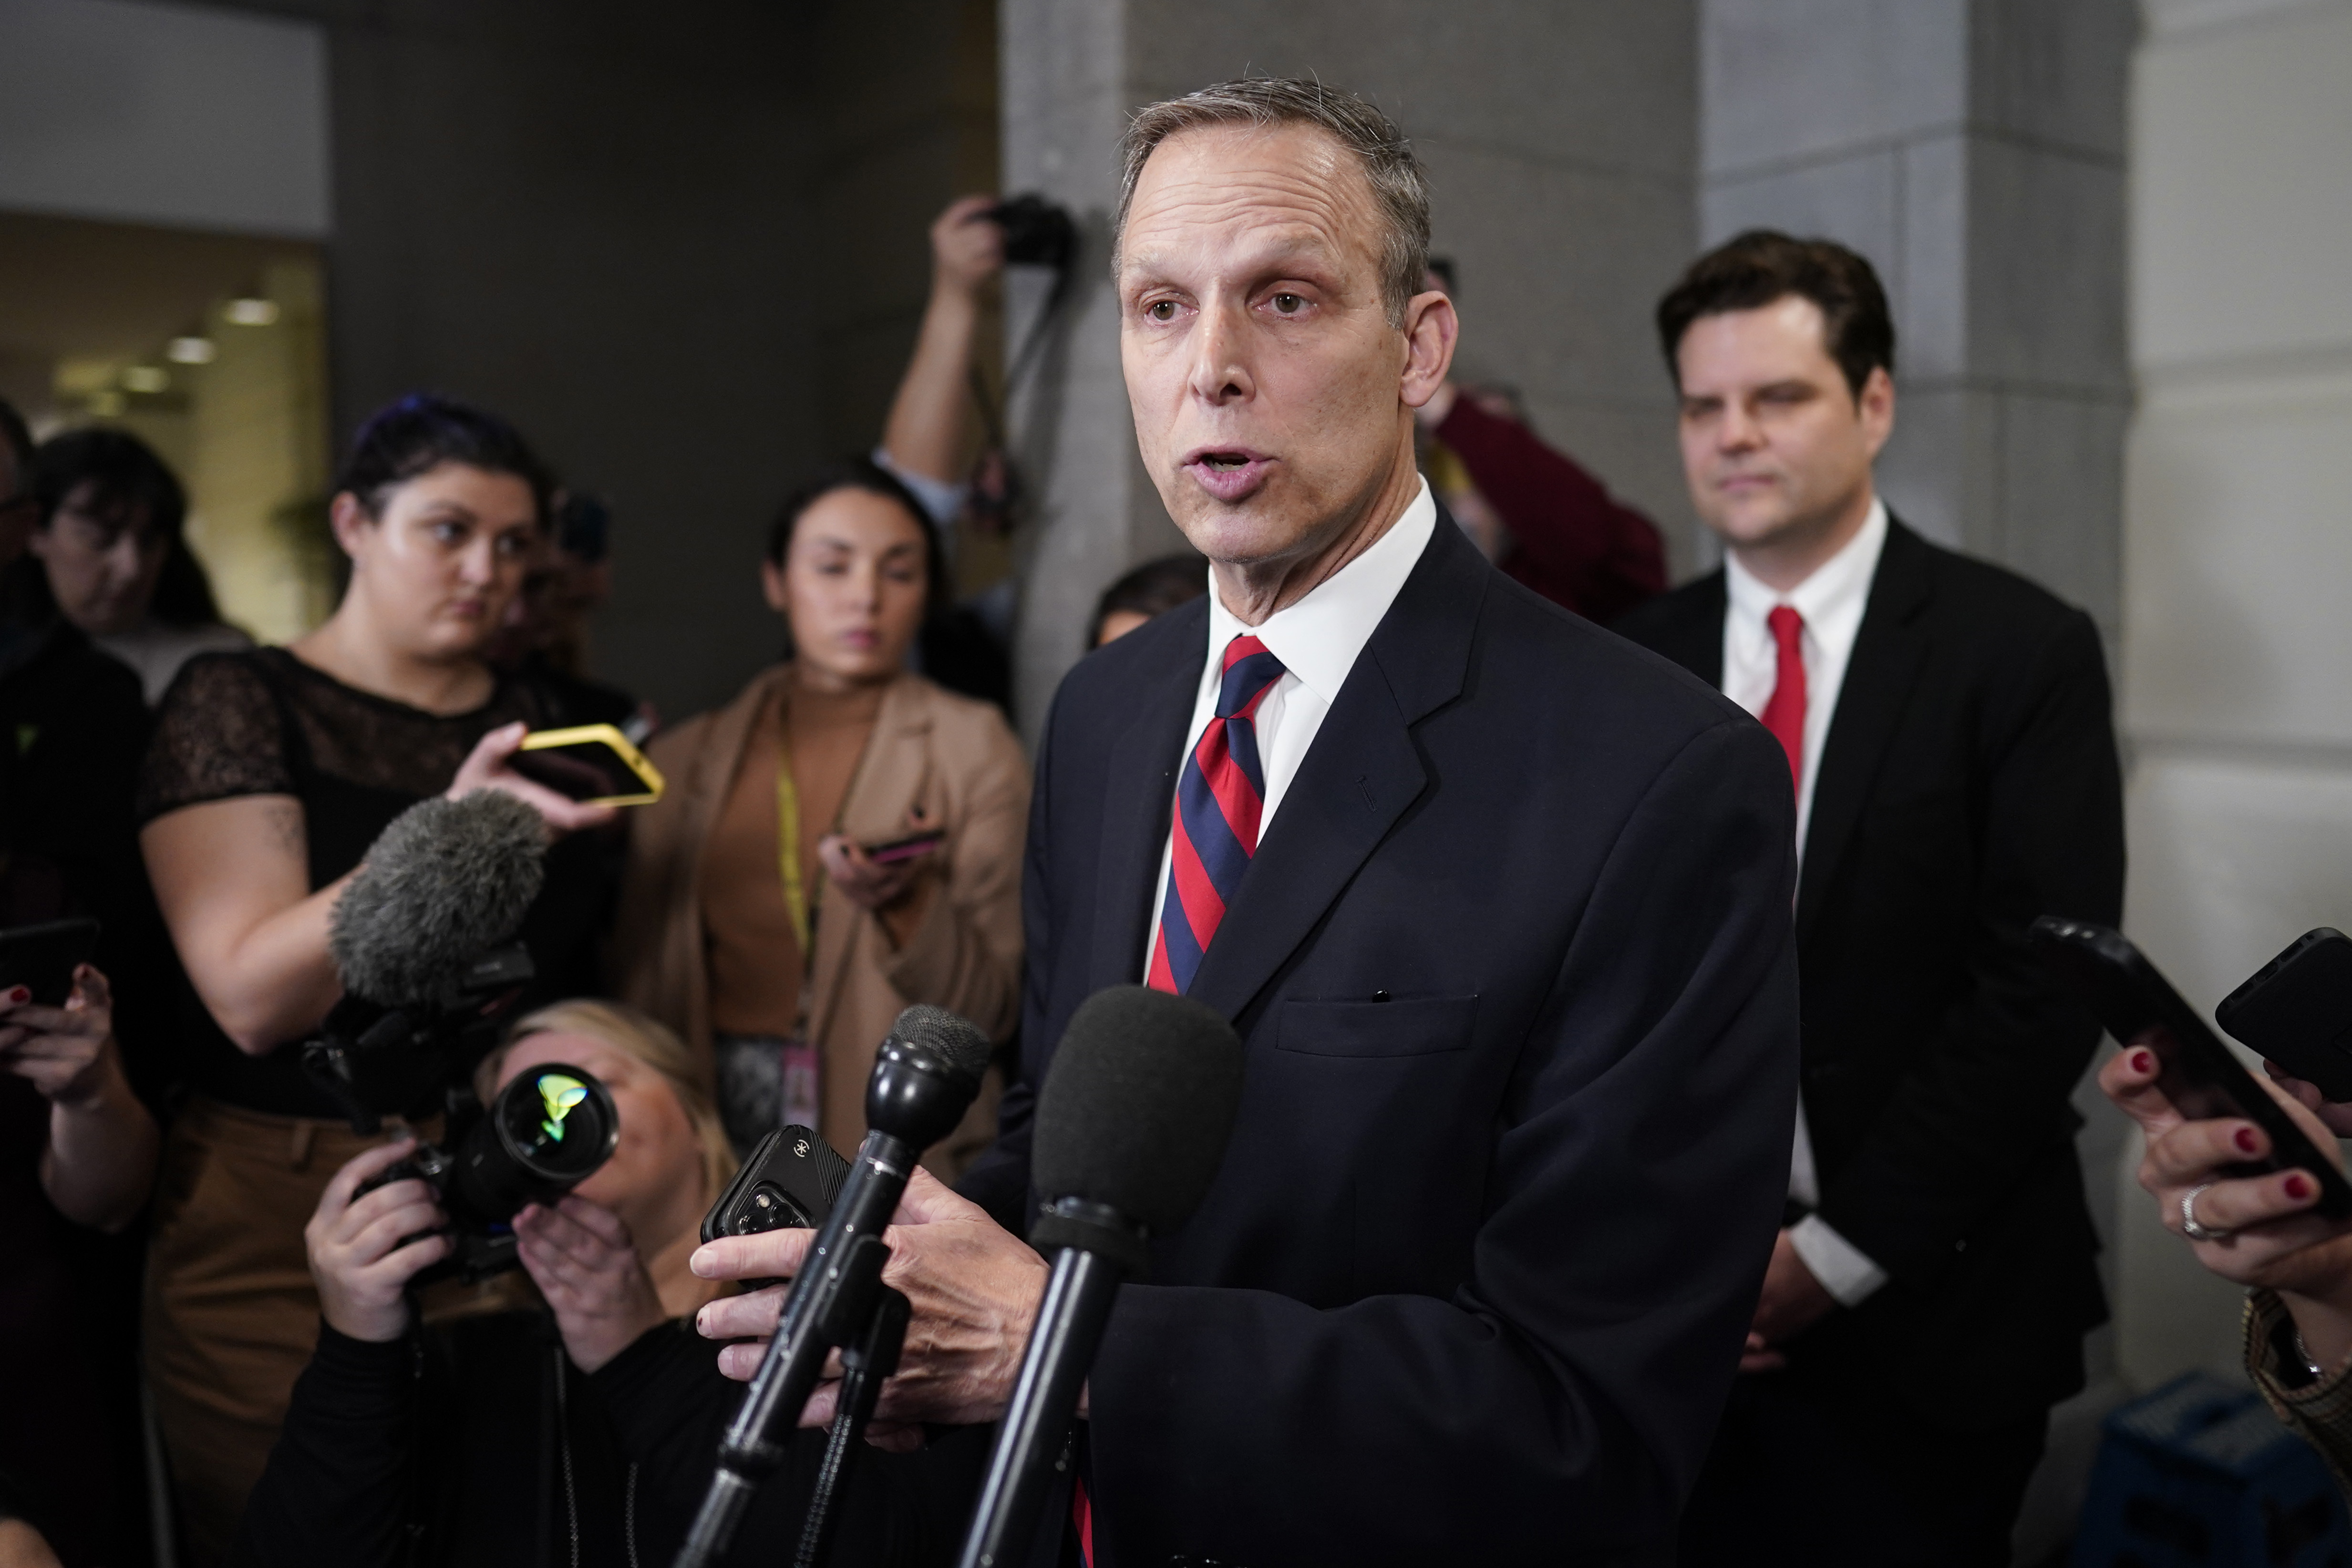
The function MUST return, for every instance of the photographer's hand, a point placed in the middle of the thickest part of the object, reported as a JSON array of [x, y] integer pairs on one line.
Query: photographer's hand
[[356, 1256], [488, 767], [580, 1256]]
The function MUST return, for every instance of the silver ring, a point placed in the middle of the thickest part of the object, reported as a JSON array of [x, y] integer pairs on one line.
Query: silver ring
[[2189, 1226]]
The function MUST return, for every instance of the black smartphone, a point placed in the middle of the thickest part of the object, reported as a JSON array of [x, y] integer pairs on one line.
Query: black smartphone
[[591, 762], [2140, 1008], [2297, 1011], [791, 1179], [44, 957], [907, 848]]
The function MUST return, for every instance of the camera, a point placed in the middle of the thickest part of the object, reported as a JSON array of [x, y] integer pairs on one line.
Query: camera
[[376, 1061], [548, 1130], [1036, 232]]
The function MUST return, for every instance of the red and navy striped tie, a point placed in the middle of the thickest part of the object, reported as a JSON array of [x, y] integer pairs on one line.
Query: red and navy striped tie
[[1219, 801]]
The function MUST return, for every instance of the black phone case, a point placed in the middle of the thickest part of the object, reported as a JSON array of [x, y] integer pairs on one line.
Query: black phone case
[[791, 1179], [2198, 1074], [2297, 1011], [42, 957]]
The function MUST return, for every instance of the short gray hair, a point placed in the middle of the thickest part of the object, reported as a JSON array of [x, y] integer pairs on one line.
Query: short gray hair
[[1399, 190]]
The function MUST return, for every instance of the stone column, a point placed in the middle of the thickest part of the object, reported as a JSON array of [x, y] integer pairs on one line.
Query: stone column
[[1974, 151], [1558, 135]]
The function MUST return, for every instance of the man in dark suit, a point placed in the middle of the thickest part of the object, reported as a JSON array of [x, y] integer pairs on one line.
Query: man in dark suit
[[1947, 734], [1498, 904]]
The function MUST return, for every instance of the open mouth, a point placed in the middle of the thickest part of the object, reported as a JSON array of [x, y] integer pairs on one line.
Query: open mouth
[[1228, 473]]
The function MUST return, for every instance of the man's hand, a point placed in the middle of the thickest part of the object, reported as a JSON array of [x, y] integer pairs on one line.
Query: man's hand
[[966, 248], [1793, 1301], [974, 1288], [580, 1256]]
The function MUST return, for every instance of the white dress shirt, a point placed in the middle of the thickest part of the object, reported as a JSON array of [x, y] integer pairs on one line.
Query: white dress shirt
[[1831, 603], [1318, 639]]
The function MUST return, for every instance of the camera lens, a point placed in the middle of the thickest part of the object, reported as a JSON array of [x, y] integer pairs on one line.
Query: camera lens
[[548, 1130], [771, 1208]]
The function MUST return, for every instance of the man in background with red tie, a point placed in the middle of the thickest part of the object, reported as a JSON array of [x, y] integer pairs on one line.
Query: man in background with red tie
[[1948, 740], [1498, 904]]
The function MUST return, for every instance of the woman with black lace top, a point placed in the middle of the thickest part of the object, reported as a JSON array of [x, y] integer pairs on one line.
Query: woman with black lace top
[[270, 773]]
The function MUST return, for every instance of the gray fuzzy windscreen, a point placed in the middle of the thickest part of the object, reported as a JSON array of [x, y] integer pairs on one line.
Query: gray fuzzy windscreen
[[444, 882], [1138, 1105], [958, 1039]]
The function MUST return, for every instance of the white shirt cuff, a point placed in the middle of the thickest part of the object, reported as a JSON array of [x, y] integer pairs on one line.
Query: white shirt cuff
[[941, 498], [1841, 1267]]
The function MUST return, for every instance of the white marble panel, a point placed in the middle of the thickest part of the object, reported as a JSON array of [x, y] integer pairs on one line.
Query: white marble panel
[[1782, 80], [2236, 561], [1855, 201], [2241, 221]]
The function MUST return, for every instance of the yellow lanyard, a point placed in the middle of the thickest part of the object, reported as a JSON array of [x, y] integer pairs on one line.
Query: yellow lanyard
[[788, 833]]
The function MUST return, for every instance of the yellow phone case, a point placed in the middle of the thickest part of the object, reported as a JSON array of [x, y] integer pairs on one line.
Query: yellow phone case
[[618, 744]]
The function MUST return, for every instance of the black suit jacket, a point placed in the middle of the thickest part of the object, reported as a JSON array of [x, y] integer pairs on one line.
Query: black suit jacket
[[1968, 784], [1514, 974]]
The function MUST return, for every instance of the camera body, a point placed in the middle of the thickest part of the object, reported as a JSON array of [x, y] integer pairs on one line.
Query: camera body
[[376, 1060], [551, 1128], [1036, 232]]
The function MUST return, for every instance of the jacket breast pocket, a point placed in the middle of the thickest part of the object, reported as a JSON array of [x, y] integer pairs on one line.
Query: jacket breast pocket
[[1408, 1027]]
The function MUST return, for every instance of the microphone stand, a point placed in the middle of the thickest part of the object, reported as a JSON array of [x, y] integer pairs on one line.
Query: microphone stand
[[864, 1366]]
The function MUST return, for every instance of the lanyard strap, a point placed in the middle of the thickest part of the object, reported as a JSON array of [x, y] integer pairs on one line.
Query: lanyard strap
[[788, 834]]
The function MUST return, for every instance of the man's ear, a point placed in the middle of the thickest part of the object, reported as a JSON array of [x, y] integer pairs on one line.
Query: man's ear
[[1875, 407], [1431, 329]]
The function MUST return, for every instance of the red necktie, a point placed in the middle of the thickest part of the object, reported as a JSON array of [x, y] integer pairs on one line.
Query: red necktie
[[1785, 714], [1220, 797]]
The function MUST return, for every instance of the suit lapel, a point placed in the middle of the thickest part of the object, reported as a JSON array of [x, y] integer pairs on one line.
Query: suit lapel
[[1691, 633], [1888, 653], [1358, 776], [1139, 794]]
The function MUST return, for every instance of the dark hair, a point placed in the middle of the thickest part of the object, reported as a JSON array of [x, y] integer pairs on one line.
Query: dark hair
[[865, 474], [124, 476], [1151, 589], [19, 439], [423, 430], [1753, 269], [583, 527]]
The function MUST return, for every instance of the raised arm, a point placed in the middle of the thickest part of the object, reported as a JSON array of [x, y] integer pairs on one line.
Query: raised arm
[[926, 432]]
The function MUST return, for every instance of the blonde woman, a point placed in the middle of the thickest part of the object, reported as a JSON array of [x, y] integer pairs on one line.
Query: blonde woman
[[511, 1435]]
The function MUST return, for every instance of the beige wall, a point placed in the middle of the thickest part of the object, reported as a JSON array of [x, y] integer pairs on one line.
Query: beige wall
[[2237, 543]]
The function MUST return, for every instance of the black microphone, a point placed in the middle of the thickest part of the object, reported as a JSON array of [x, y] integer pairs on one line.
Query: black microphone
[[925, 1078], [423, 939], [1131, 1126]]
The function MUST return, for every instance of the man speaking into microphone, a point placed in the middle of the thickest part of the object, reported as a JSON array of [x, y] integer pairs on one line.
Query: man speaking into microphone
[[1498, 904]]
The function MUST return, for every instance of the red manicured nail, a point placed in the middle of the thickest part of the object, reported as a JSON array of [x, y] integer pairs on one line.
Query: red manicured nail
[[19, 995], [2245, 1139], [2143, 1061], [2299, 1187]]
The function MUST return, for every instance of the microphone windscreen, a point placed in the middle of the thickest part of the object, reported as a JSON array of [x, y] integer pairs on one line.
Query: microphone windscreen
[[444, 882], [957, 1039], [1138, 1105]]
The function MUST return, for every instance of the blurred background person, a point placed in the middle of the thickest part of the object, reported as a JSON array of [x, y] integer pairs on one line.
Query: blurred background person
[[271, 772], [1545, 521], [77, 1153], [544, 635], [1151, 589], [927, 442], [550, 1426], [1951, 750], [2259, 1232], [110, 553], [752, 920]]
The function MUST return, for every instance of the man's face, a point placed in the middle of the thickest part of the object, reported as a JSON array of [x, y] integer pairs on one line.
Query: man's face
[[1775, 443], [1263, 371]]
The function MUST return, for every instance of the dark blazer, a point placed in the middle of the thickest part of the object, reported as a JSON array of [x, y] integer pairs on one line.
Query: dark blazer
[[1513, 970], [1968, 784]]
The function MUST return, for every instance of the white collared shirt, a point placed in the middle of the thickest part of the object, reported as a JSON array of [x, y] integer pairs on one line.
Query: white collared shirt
[[1318, 640], [1831, 603]]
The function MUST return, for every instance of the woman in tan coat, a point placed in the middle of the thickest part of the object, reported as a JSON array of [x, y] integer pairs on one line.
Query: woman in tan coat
[[753, 921]]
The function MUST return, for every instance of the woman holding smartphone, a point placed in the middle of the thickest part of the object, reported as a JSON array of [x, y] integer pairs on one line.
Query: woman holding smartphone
[[270, 773], [841, 840]]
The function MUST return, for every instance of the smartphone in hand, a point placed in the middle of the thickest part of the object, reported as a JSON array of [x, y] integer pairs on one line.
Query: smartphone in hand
[[2297, 1011]]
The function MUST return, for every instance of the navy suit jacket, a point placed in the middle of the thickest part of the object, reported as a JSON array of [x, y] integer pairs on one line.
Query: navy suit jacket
[[1514, 972]]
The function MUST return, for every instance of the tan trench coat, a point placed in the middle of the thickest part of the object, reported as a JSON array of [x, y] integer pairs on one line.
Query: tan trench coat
[[955, 757]]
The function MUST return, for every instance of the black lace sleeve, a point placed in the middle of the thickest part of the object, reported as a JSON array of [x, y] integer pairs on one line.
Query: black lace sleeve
[[220, 734]]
